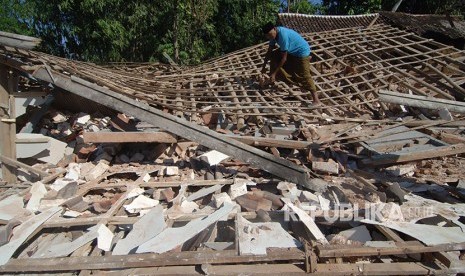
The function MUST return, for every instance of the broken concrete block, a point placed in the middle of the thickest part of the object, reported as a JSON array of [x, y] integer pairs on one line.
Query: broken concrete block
[[59, 117], [214, 157], [97, 171], [237, 189], [328, 167], [219, 199], [171, 170], [82, 119], [399, 170], [359, 233]]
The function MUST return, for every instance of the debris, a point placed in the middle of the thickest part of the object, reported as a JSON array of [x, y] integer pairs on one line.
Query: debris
[[255, 238], [173, 237]]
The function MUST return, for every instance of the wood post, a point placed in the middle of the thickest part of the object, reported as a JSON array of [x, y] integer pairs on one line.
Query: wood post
[[8, 85]]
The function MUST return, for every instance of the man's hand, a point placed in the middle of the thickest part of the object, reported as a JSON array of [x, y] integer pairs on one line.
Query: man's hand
[[272, 78]]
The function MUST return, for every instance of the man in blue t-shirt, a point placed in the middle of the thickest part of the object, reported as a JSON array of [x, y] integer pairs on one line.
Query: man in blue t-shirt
[[291, 62]]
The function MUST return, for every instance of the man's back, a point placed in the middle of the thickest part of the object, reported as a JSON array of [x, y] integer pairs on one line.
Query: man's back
[[291, 42]]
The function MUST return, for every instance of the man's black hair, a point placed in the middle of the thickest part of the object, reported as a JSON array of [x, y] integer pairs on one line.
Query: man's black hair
[[267, 27]]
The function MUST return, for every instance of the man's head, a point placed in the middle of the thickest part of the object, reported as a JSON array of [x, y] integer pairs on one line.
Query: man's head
[[269, 30]]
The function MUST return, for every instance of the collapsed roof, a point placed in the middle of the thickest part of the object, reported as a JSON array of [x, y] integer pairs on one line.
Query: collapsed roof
[[360, 66]]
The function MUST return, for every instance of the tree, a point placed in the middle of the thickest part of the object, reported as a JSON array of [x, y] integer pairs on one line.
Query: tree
[[15, 16], [238, 23], [351, 6]]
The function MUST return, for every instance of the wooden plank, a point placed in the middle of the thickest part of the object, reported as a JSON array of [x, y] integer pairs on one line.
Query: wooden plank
[[373, 269], [385, 159], [183, 128], [11, 162], [8, 121], [334, 251], [163, 137], [129, 137], [146, 260]]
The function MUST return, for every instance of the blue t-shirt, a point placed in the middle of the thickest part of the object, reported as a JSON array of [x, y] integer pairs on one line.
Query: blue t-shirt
[[292, 42]]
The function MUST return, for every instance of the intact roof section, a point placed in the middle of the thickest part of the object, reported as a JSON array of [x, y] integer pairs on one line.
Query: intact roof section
[[306, 23]]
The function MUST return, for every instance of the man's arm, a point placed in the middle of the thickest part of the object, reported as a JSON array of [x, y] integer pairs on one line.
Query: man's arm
[[280, 64], [267, 58]]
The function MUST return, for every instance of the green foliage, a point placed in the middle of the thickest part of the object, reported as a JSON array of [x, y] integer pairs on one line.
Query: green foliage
[[351, 7], [15, 16], [300, 6], [455, 7], [238, 23]]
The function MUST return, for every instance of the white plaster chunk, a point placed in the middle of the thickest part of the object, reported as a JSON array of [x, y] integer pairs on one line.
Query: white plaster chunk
[[324, 203], [140, 203], [255, 238], [71, 214], [38, 192], [400, 170], [171, 238], [215, 157], [219, 199], [171, 170], [237, 189], [135, 192], [105, 238], [11, 207], [359, 233], [82, 119], [189, 207], [97, 171], [74, 171], [59, 118]]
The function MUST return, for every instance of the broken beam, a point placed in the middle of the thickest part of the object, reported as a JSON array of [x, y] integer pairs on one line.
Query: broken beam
[[14, 163], [279, 167], [147, 260], [420, 101], [385, 159], [335, 251], [163, 137], [129, 137]]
